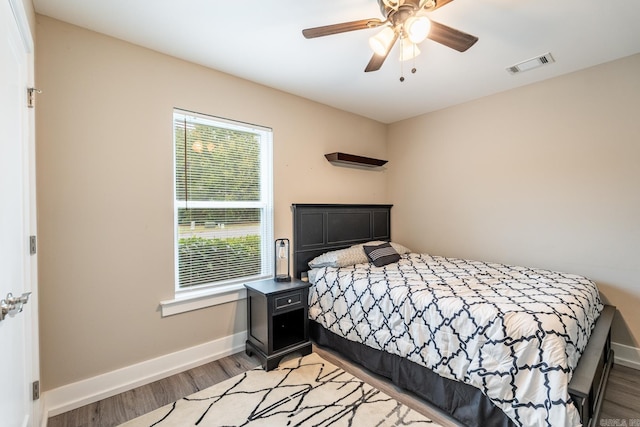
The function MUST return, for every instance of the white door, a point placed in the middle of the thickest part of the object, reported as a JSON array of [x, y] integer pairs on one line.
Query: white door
[[18, 333]]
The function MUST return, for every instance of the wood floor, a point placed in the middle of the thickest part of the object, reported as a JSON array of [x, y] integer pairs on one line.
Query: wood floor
[[620, 408], [131, 404]]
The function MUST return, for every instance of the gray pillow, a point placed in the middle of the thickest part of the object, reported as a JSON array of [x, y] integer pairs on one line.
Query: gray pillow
[[382, 255]]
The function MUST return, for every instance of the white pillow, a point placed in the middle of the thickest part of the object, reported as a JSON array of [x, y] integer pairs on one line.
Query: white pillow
[[350, 256], [340, 258]]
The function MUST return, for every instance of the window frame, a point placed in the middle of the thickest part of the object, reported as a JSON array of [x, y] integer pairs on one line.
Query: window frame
[[231, 289]]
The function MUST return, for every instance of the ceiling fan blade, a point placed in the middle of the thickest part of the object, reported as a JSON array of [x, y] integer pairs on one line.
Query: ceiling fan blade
[[377, 60], [327, 30], [450, 37], [375, 63]]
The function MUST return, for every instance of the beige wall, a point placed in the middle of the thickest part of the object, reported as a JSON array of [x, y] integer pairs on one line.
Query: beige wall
[[104, 171], [546, 175]]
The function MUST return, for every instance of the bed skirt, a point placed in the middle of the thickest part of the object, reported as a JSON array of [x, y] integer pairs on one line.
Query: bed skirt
[[463, 402]]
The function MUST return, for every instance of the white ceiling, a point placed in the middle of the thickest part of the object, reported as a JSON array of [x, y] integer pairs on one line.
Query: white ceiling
[[261, 41]]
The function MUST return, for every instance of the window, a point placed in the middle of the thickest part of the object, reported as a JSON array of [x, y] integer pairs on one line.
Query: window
[[223, 201]]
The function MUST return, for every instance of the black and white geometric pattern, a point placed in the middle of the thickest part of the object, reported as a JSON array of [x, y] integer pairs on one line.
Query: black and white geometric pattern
[[301, 392], [516, 333]]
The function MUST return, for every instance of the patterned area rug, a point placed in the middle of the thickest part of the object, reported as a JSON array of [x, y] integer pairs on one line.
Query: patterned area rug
[[307, 391]]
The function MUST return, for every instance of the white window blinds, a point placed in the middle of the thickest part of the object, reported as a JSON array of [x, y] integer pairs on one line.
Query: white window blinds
[[223, 200]]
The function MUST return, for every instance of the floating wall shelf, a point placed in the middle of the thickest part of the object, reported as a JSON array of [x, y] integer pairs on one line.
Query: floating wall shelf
[[353, 160]]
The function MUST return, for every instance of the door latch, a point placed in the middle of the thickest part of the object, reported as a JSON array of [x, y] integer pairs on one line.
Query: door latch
[[13, 305], [31, 96]]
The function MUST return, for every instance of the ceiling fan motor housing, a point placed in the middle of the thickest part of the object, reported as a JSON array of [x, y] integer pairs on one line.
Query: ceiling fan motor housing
[[405, 8], [397, 12]]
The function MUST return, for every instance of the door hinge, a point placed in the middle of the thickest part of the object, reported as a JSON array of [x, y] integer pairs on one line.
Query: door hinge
[[36, 390], [32, 245], [31, 96]]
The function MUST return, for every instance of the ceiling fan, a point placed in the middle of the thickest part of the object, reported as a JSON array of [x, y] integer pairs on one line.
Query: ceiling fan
[[405, 20]]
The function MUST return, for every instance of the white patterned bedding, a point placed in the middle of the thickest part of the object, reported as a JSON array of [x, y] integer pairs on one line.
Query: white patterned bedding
[[515, 333]]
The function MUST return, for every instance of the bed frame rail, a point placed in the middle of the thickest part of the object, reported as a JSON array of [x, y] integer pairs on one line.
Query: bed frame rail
[[589, 380]]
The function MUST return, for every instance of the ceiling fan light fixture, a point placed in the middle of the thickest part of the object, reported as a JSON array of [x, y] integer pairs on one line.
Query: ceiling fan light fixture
[[417, 28], [381, 42], [409, 50]]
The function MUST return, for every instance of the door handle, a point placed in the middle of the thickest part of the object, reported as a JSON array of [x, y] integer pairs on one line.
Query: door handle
[[10, 306]]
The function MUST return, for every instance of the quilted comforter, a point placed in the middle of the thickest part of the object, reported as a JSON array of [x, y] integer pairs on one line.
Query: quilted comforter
[[515, 333]]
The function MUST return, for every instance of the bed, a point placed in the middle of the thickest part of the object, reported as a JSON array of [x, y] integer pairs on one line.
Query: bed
[[428, 324]]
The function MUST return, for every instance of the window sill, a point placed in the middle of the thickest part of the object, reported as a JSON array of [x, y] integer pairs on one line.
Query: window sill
[[195, 300]]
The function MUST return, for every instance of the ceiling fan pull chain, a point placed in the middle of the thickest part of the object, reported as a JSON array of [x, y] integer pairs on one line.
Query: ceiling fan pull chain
[[401, 60], [414, 69]]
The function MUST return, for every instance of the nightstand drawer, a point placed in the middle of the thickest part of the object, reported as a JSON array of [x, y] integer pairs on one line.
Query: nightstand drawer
[[288, 300]]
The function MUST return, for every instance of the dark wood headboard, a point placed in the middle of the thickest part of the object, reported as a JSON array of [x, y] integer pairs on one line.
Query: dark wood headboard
[[319, 228]]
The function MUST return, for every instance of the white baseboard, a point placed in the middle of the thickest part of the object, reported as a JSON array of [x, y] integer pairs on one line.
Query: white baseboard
[[626, 355], [76, 395]]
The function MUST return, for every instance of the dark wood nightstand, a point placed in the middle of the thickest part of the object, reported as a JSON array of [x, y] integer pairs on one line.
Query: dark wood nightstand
[[277, 320]]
